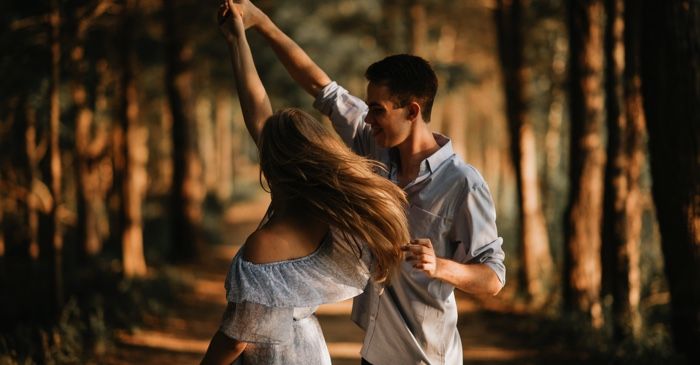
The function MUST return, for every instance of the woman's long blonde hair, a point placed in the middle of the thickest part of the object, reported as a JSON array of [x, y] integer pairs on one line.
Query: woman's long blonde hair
[[306, 163]]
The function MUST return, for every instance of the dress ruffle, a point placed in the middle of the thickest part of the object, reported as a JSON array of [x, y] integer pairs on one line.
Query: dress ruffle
[[332, 273]]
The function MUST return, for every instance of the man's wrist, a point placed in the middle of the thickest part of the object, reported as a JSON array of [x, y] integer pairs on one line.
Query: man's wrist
[[441, 268], [262, 23]]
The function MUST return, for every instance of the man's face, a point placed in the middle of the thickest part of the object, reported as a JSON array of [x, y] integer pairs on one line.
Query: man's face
[[389, 120]]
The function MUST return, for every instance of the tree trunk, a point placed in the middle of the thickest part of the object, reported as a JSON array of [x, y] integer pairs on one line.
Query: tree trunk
[[2, 239], [187, 189], [419, 30], [87, 150], [625, 157], [31, 156], [394, 35], [88, 240], [584, 211], [55, 229], [224, 145], [135, 155], [671, 87], [553, 176], [205, 133], [536, 268]]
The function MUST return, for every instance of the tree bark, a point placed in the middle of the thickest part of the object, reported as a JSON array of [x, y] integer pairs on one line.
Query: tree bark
[[394, 36], [671, 88], [31, 169], [87, 149], [187, 188], [584, 211], [537, 266], [625, 156], [87, 238], [206, 140], [55, 229], [419, 29], [2, 239], [2, 236], [225, 146], [135, 155]]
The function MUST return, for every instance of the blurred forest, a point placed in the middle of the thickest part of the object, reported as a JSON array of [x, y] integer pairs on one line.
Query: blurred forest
[[122, 146]]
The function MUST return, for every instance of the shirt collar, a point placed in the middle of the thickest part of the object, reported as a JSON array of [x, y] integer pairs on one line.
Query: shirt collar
[[430, 164], [441, 155]]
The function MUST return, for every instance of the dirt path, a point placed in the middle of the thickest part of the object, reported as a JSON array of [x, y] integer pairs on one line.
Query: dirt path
[[489, 337]]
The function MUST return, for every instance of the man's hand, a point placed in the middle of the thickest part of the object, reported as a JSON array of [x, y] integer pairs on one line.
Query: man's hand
[[421, 255]]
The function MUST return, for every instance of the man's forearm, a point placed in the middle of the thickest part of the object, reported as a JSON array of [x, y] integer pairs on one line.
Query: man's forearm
[[469, 278], [299, 65]]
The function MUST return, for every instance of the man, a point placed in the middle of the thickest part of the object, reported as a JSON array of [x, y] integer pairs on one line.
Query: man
[[451, 214]]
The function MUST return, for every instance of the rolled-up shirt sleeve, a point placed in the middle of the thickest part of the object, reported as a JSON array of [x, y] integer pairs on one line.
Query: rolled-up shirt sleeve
[[347, 114], [475, 229]]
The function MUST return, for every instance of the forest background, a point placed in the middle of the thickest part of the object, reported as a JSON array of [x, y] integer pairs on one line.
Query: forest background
[[122, 147]]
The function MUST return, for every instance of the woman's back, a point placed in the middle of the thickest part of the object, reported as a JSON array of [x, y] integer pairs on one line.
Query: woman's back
[[271, 304], [285, 236]]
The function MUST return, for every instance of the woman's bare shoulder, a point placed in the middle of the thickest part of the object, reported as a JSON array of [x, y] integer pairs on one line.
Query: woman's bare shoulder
[[264, 246]]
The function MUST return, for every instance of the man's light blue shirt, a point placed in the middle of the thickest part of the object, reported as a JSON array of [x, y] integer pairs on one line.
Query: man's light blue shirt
[[414, 320]]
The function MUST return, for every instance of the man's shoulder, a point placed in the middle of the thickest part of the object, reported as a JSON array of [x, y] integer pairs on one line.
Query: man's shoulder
[[463, 174]]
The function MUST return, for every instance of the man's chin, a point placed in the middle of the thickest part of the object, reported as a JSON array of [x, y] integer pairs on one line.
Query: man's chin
[[382, 142]]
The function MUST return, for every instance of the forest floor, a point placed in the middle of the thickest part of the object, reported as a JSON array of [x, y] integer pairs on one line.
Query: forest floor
[[492, 331]]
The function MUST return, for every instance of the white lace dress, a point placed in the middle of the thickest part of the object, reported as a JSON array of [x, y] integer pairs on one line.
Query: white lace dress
[[271, 306]]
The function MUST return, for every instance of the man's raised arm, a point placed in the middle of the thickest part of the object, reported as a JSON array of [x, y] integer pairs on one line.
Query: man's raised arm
[[299, 65]]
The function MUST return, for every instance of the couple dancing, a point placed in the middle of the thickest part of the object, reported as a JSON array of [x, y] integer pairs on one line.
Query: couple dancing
[[397, 222]]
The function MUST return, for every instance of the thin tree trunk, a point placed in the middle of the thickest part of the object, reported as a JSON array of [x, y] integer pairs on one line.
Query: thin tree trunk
[[117, 140], [135, 155], [165, 149], [553, 148], [187, 186], [2, 235], [86, 149], [224, 145], [625, 156], [584, 211], [55, 229], [537, 266], [671, 87], [419, 29], [205, 133], [394, 35], [87, 238], [31, 149], [2, 239]]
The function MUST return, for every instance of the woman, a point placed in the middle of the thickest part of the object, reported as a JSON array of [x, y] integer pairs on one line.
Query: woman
[[330, 213]]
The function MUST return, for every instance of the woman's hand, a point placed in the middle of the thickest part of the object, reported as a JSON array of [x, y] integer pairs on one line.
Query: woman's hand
[[251, 14], [230, 21]]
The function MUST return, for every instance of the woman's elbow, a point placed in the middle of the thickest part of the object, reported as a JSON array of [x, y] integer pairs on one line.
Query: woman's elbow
[[222, 350]]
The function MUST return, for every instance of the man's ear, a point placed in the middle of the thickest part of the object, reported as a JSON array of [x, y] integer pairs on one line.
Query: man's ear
[[414, 110]]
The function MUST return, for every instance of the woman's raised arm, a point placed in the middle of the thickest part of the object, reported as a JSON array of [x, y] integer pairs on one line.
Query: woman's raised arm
[[255, 104]]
